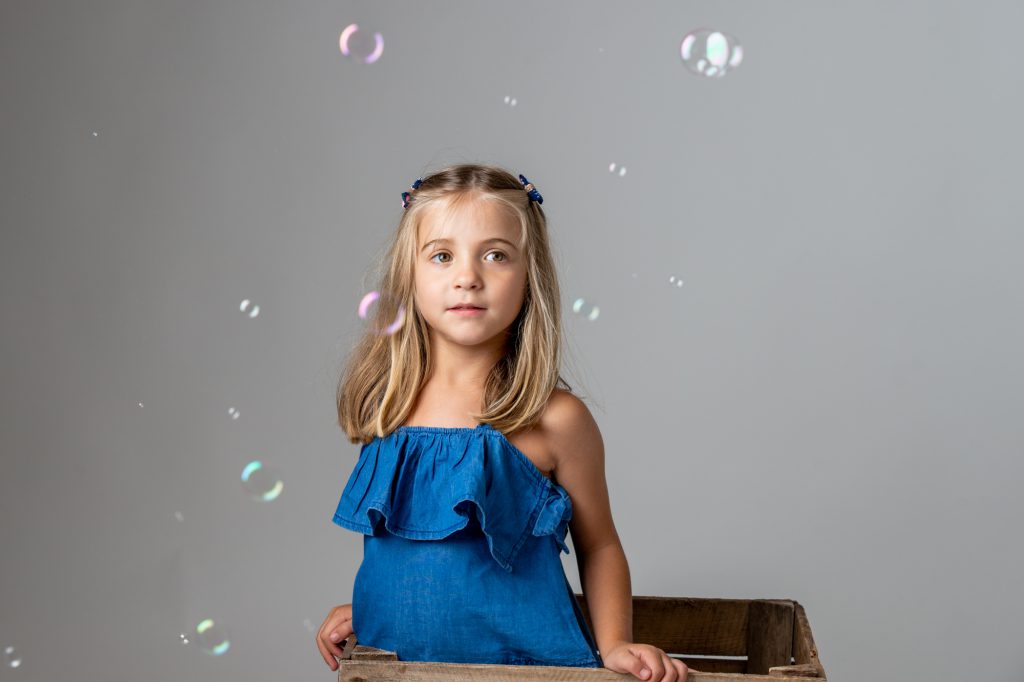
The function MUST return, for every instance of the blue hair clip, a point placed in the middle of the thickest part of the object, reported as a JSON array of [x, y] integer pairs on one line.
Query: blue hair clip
[[406, 196], [531, 190]]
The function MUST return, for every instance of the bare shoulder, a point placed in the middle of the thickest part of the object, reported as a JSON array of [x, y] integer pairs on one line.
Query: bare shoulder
[[569, 428], [579, 467]]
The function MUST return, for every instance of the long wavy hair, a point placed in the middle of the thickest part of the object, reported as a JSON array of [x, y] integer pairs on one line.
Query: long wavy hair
[[384, 372]]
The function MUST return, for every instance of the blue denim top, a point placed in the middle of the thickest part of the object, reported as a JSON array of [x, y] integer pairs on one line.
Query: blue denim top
[[488, 586]]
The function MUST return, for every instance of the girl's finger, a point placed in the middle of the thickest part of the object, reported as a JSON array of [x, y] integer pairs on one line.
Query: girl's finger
[[653, 662], [681, 669], [328, 659], [335, 636], [671, 671], [332, 625]]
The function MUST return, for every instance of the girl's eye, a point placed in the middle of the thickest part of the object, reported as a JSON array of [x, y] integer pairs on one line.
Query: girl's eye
[[445, 253]]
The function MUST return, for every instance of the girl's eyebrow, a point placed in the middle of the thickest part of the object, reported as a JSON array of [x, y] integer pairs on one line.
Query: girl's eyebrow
[[486, 241]]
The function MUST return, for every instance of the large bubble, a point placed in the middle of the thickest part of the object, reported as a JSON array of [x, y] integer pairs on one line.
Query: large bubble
[[710, 53]]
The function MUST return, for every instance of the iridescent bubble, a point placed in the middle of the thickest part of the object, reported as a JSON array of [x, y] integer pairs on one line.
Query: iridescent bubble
[[212, 637], [183, 638], [360, 44], [611, 169], [710, 53], [140, 404], [511, 101], [253, 310], [263, 483], [678, 281], [308, 624], [234, 413], [588, 310], [179, 516], [95, 134], [386, 317], [12, 659]]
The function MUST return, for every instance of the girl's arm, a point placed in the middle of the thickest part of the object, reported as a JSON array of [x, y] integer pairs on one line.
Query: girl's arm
[[604, 574], [578, 448], [579, 468]]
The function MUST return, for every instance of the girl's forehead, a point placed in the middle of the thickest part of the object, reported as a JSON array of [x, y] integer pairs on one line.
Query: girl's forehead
[[468, 221]]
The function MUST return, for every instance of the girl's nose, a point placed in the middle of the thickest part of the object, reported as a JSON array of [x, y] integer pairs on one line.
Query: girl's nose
[[467, 277]]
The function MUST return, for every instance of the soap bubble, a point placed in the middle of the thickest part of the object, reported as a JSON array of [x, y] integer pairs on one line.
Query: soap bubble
[[385, 314], [360, 44], [12, 659], [261, 482], [246, 305], [587, 310], [710, 53], [212, 637]]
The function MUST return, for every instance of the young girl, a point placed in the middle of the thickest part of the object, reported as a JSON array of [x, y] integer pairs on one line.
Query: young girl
[[465, 431]]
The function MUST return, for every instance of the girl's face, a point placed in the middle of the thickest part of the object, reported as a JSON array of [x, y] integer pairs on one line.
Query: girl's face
[[474, 261]]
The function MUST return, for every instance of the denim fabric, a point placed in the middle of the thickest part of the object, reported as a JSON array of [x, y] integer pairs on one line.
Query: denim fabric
[[461, 542]]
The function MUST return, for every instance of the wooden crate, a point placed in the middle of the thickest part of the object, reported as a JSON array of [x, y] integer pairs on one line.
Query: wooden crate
[[773, 637]]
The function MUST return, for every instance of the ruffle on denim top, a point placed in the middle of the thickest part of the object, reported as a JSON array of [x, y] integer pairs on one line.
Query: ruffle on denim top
[[423, 482]]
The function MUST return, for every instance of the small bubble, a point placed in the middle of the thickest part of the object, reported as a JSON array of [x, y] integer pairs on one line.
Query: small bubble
[[95, 134], [387, 316], [677, 281], [179, 516], [12, 659], [212, 637], [183, 638], [140, 404], [622, 169], [262, 482], [511, 101], [587, 310], [360, 44], [234, 414], [253, 312]]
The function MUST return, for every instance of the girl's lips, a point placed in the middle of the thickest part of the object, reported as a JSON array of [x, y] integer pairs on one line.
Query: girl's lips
[[467, 312]]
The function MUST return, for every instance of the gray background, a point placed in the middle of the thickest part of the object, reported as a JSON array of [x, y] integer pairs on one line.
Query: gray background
[[828, 410]]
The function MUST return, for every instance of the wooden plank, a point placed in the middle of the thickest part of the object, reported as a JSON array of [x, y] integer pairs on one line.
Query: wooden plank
[[805, 652], [399, 671], [769, 634], [688, 625]]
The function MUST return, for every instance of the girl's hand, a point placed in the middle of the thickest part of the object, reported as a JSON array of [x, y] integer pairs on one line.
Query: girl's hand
[[335, 630], [646, 662]]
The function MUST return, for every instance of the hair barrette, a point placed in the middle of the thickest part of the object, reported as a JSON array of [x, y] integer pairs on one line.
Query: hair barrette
[[406, 196], [531, 190]]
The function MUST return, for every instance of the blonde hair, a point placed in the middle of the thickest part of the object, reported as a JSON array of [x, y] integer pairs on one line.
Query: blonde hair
[[385, 372]]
